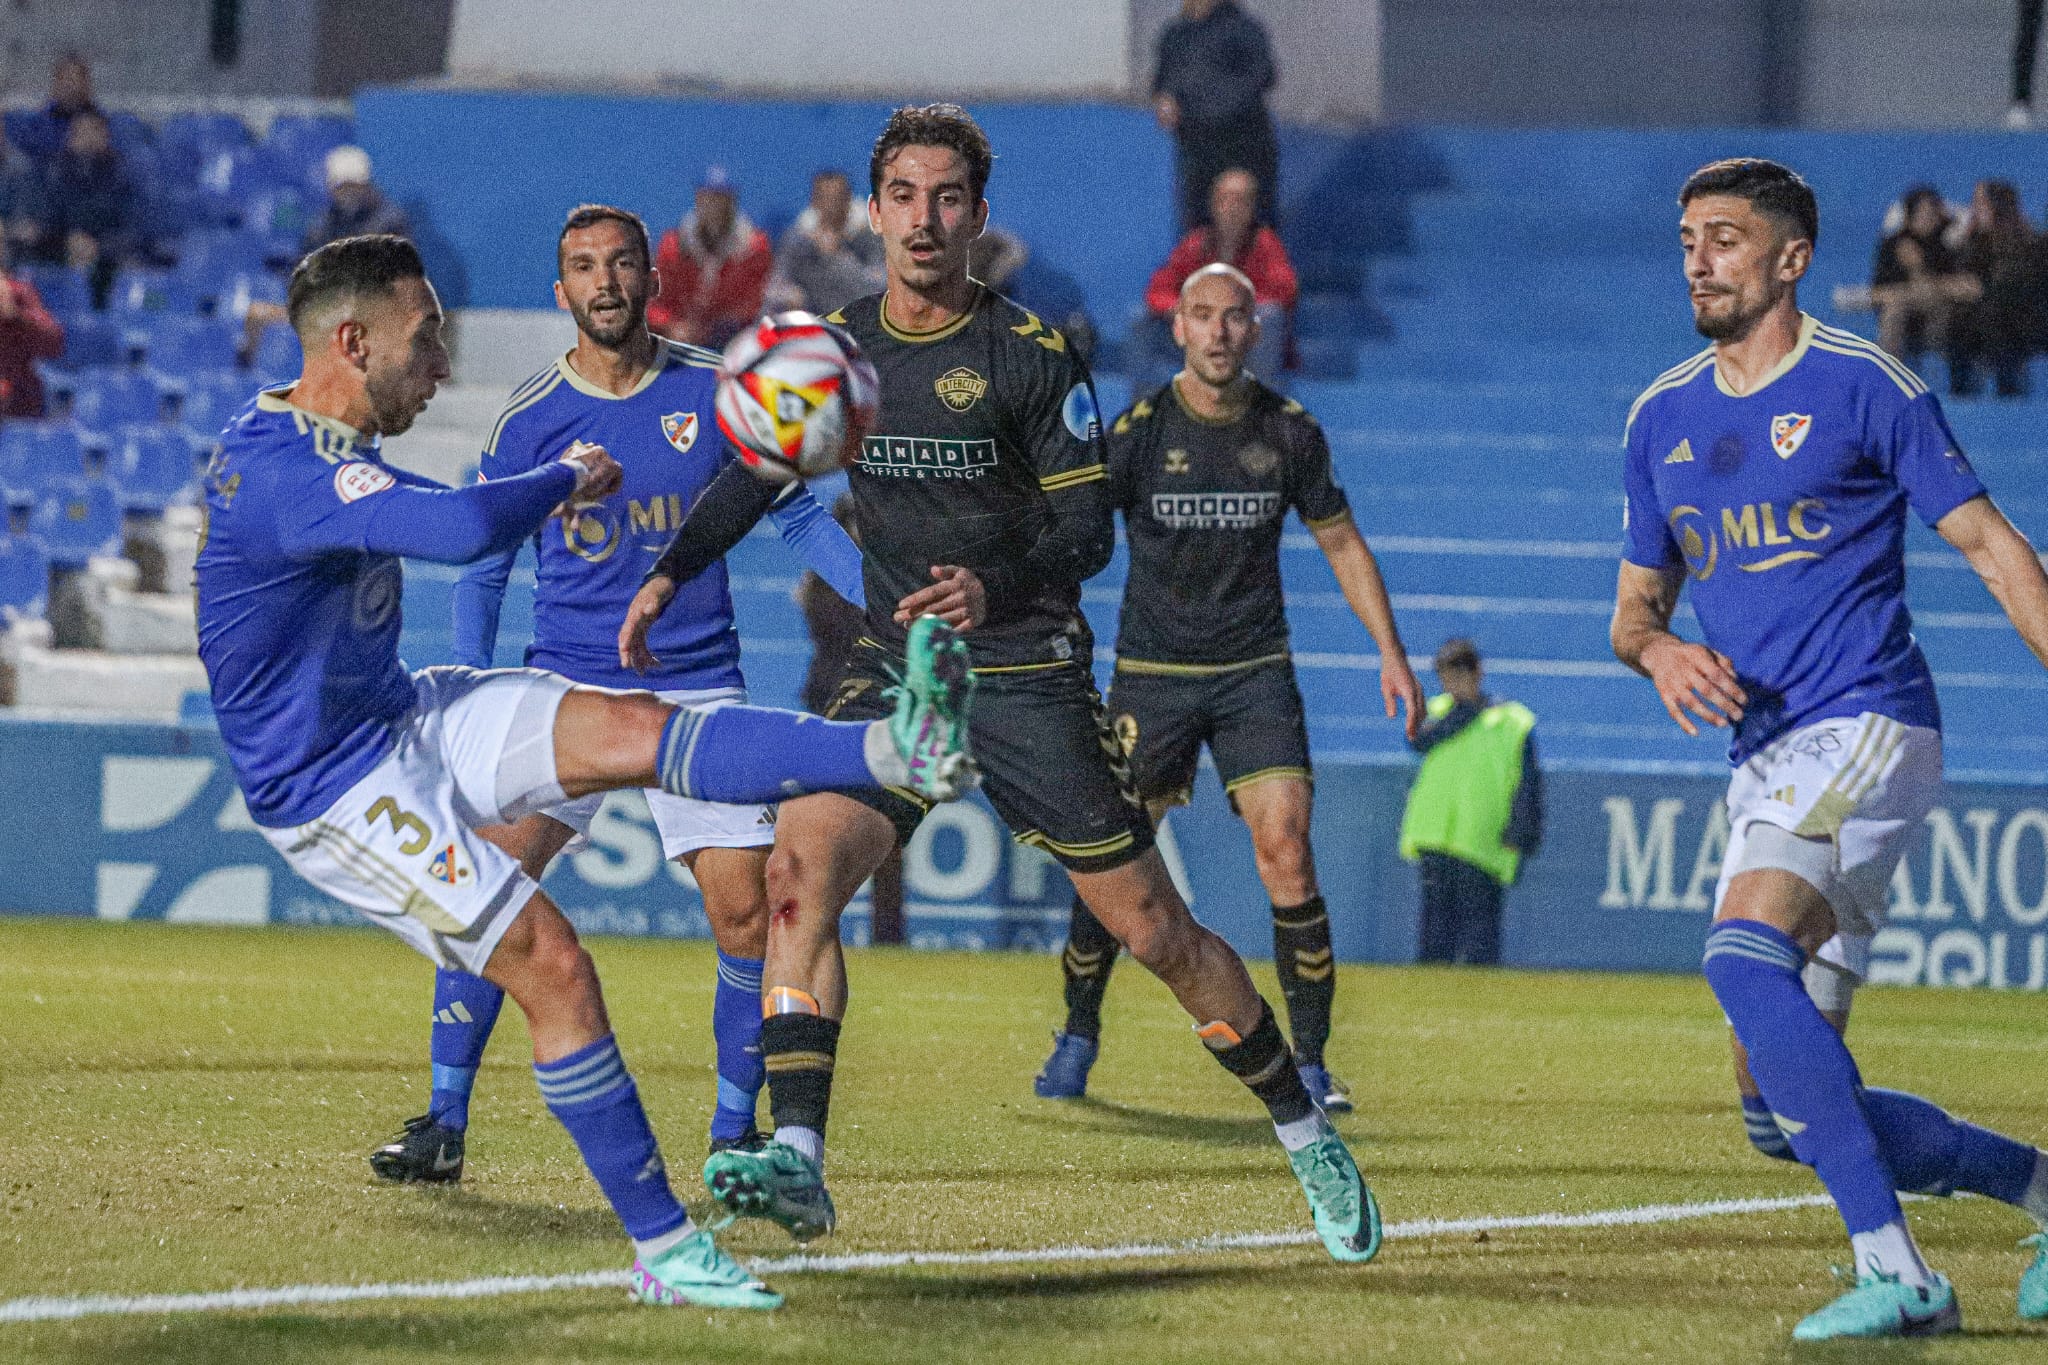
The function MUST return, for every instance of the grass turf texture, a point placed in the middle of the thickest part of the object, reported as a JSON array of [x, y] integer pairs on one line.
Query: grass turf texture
[[188, 1109]]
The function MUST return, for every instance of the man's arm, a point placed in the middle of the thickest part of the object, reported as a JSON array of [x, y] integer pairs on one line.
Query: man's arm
[[479, 597], [1358, 576], [730, 506], [1076, 544], [1524, 832], [820, 541], [1689, 677], [373, 511], [2007, 564]]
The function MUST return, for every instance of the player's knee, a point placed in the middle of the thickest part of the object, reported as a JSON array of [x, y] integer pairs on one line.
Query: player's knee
[[1165, 939], [1285, 865], [797, 892]]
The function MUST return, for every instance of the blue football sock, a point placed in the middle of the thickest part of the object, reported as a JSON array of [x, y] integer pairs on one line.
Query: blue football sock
[[591, 1093], [1802, 1067], [753, 755], [736, 1027], [1764, 1133], [1932, 1152], [465, 1008]]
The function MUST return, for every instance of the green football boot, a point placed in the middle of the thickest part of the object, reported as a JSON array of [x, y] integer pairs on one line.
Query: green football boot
[[2034, 1281], [775, 1182], [1347, 1216], [1880, 1306], [930, 722], [696, 1271]]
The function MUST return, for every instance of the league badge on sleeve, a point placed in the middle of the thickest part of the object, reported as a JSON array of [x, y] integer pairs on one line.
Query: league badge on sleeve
[[1788, 432], [681, 430]]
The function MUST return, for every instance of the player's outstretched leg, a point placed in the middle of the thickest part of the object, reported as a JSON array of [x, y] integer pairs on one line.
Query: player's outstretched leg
[[585, 1083], [1810, 1083], [1277, 808], [1085, 965], [1137, 903], [429, 1149]]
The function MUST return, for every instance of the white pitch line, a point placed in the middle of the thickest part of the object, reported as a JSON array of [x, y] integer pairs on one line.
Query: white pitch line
[[51, 1309]]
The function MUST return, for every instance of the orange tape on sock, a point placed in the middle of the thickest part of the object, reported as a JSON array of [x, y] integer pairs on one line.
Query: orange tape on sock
[[788, 1000], [1218, 1036]]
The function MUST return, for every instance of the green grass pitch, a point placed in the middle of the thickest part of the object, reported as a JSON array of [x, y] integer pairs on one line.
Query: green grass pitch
[[187, 1109]]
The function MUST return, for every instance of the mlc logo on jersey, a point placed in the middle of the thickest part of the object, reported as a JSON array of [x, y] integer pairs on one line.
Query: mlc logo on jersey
[[960, 388], [1753, 526], [1788, 432], [681, 430]]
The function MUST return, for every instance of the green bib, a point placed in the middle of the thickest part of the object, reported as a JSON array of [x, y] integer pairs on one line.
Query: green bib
[[1465, 789]]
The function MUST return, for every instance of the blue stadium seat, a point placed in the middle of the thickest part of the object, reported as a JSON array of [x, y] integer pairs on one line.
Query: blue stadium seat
[[91, 339], [217, 250], [153, 467], [33, 131], [302, 142], [24, 578], [62, 289], [142, 289], [212, 397], [187, 140], [229, 294], [76, 520], [37, 455], [173, 344], [278, 357], [116, 398], [277, 217]]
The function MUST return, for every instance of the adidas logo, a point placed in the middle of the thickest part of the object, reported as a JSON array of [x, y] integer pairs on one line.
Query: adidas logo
[[454, 1014], [1791, 1127], [1680, 453]]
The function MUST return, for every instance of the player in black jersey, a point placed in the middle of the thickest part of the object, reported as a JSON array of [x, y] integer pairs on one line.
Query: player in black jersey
[[983, 499], [1204, 470]]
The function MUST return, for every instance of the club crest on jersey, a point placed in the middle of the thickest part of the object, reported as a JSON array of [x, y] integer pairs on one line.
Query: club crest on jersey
[[1259, 459], [1788, 432], [447, 867], [681, 430], [960, 388]]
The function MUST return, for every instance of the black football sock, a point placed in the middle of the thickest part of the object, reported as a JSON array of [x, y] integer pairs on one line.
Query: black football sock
[[1308, 975], [1091, 952], [798, 1051], [1262, 1061]]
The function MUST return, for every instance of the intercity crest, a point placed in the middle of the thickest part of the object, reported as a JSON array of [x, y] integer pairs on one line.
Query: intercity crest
[[681, 430], [1259, 459], [1788, 432], [960, 388]]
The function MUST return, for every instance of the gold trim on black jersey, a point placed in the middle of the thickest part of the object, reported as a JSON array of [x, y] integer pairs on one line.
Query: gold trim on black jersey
[[1325, 523], [1154, 668], [939, 333], [1070, 478], [1251, 398]]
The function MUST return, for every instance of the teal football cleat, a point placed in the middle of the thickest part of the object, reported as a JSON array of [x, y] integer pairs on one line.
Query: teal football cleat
[[1880, 1306], [929, 725], [696, 1271], [1347, 1216], [775, 1182], [2034, 1281]]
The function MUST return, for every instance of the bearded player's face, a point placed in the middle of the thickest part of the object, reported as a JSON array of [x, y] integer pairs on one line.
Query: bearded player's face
[[926, 215], [605, 282], [1739, 263]]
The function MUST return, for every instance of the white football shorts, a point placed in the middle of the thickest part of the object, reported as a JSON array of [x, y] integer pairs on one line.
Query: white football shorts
[[685, 825], [401, 845], [1850, 793]]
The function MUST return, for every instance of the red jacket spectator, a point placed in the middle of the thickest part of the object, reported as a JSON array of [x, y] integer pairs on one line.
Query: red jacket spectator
[[714, 270], [1262, 258], [27, 333]]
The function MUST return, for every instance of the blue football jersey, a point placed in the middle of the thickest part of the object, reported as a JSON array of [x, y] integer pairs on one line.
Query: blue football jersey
[[1786, 506], [665, 436]]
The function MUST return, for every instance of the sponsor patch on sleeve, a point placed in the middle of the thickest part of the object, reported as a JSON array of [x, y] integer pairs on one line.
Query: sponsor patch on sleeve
[[1080, 414], [360, 480]]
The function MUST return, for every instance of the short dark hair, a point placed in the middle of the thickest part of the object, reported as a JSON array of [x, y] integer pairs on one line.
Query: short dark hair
[[1770, 187], [1458, 654], [369, 265], [590, 215], [934, 125]]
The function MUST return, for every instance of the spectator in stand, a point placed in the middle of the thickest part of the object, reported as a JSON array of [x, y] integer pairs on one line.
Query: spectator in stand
[[828, 257], [1475, 811], [43, 136], [714, 269], [27, 333], [2026, 39], [1003, 261], [1916, 284], [1999, 253], [24, 209], [1234, 236], [1212, 70], [355, 206], [93, 202]]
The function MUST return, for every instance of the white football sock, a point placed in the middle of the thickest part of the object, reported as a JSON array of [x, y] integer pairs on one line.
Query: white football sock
[[1890, 1251], [1303, 1132], [809, 1141], [654, 1246], [884, 762]]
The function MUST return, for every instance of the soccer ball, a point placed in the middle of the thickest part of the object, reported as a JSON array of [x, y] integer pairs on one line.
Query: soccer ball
[[795, 397]]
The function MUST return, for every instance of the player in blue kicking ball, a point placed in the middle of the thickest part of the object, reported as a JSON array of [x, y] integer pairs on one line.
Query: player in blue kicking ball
[[372, 782], [1774, 471], [650, 404]]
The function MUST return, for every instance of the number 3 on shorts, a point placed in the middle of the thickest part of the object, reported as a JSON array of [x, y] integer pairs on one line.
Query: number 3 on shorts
[[401, 821]]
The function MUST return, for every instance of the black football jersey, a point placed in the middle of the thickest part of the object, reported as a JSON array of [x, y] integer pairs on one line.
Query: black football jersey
[[980, 420], [1204, 503]]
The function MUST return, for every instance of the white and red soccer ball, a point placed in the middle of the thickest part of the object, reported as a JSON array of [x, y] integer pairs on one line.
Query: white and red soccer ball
[[795, 397]]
